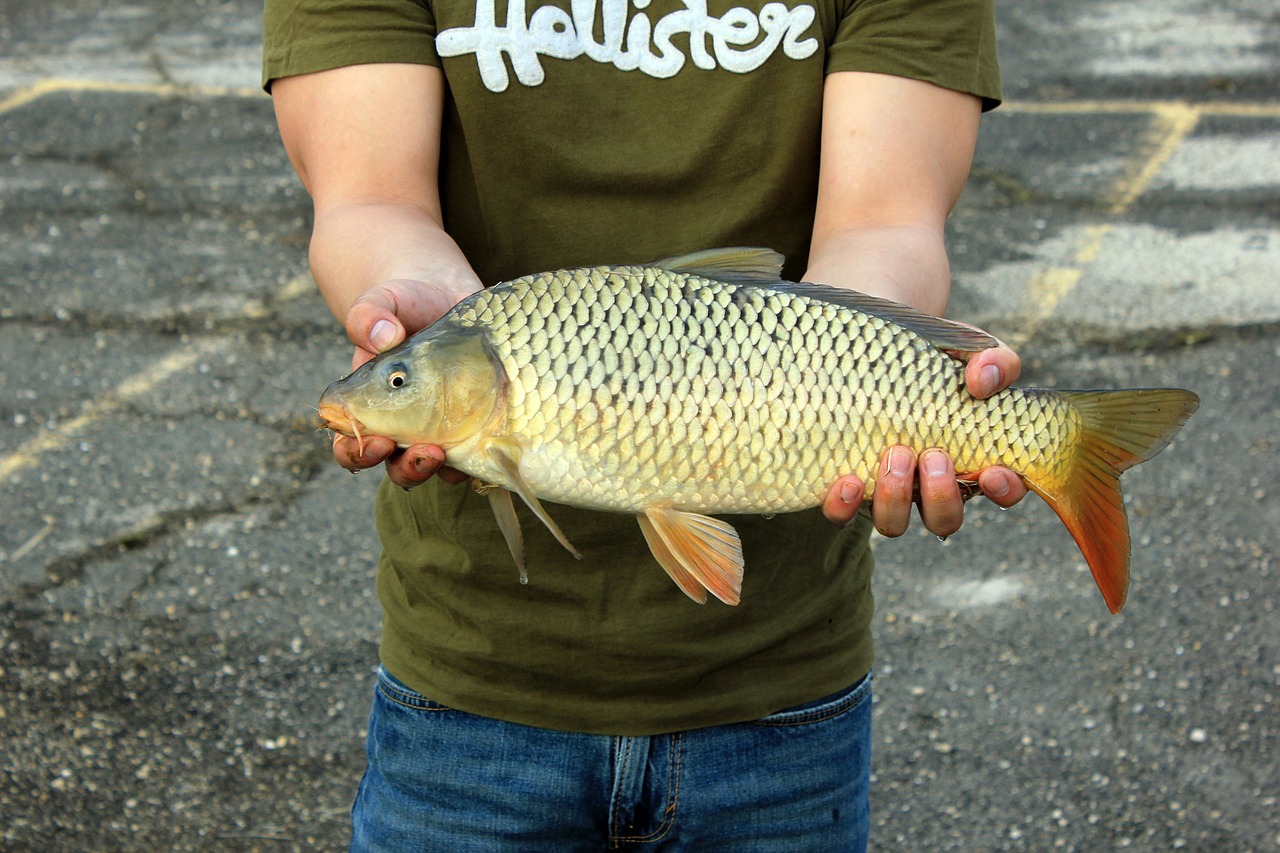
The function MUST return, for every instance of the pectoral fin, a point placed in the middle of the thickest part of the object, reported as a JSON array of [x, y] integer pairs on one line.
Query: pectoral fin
[[696, 549], [511, 470], [505, 512]]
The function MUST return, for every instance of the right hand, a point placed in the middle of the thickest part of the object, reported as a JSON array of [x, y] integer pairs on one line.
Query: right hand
[[378, 320]]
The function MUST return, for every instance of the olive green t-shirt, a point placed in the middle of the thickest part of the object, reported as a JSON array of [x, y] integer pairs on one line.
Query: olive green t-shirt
[[581, 132]]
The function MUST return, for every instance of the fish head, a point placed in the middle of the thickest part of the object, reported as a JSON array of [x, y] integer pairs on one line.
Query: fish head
[[436, 388]]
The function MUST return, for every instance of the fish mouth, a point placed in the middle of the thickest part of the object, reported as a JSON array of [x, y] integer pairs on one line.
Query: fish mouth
[[335, 417]]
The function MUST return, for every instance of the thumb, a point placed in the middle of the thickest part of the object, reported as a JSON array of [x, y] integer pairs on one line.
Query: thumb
[[992, 370], [372, 323]]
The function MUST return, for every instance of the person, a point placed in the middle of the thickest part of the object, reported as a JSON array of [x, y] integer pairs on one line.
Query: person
[[450, 144]]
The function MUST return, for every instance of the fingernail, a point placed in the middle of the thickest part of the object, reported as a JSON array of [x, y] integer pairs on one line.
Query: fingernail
[[933, 463], [848, 492], [425, 464], [999, 486], [990, 380], [382, 335], [899, 461]]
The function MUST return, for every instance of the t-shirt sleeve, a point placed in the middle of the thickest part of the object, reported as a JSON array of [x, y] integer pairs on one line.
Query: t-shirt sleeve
[[302, 36], [951, 43]]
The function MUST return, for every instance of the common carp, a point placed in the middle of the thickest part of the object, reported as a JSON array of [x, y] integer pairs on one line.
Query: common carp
[[705, 384]]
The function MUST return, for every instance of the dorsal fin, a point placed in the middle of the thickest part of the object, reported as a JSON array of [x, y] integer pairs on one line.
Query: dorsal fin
[[763, 267], [737, 265], [943, 334]]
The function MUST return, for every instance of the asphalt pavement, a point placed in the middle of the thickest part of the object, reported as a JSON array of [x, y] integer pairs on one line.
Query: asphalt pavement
[[187, 620]]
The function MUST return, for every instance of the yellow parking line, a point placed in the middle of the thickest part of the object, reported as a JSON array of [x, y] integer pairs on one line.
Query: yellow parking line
[[1244, 110], [53, 85], [1268, 109], [132, 388], [1171, 124]]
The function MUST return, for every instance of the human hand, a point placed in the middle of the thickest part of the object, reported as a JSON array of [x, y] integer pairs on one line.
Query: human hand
[[378, 320], [940, 497]]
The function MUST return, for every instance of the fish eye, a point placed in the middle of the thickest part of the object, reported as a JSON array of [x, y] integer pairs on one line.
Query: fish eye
[[397, 375]]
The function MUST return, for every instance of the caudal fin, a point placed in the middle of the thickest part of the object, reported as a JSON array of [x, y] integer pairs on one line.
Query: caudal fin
[[1120, 430]]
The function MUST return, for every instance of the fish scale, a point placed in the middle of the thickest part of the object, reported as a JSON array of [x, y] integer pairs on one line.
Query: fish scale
[[705, 384]]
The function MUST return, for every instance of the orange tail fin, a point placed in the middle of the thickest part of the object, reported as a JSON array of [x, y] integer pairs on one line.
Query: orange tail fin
[[1120, 430]]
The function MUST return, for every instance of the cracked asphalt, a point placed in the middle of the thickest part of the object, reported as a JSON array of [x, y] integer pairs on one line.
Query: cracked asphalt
[[187, 620]]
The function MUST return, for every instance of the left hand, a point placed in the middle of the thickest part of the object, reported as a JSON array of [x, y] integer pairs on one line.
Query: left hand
[[395, 309], [941, 503]]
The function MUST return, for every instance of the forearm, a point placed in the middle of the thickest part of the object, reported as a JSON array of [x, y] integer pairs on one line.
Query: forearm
[[359, 245], [895, 155], [905, 263], [365, 140]]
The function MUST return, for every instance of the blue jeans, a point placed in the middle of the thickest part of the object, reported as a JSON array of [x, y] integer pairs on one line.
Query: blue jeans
[[443, 780]]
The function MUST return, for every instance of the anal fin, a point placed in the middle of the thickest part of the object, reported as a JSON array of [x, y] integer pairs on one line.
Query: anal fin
[[684, 579], [704, 549]]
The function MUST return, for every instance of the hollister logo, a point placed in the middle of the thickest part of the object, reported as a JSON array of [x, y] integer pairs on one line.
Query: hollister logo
[[740, 40]]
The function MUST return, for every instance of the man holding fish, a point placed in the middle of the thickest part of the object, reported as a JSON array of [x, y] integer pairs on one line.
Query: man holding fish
[[452, 145]]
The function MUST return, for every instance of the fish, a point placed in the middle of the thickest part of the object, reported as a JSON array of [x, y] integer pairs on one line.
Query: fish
[[703, 385]]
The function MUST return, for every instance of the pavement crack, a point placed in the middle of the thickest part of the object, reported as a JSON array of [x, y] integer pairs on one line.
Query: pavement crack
[[149, 580], [72, 568], [162, 71], [144, 38]]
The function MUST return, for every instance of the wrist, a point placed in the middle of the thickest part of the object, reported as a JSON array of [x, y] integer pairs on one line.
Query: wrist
[[359, 248], [905, 263]]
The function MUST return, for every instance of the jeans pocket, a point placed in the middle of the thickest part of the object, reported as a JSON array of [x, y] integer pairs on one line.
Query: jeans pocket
[[821, 710], [394, 690]]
